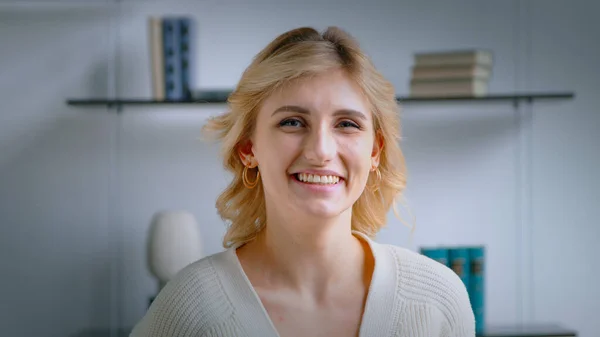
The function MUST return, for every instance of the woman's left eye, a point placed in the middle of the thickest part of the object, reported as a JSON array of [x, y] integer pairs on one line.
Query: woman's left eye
[[345, 124]]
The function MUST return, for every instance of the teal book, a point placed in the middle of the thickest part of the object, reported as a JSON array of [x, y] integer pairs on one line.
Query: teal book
[[460, 263], [477, 286], [439, 254]]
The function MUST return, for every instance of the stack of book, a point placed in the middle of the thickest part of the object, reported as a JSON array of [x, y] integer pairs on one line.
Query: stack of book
[[468, 263], [451, 74], [172, 53]]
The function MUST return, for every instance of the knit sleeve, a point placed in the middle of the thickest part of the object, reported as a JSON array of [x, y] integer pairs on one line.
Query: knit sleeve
[[436, 300], [452, 299], [190, 305], [464, 323]]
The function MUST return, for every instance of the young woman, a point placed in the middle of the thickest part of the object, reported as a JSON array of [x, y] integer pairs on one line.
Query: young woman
[[312, 138]]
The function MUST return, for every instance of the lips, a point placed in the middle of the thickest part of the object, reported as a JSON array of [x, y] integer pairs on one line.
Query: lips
[[317, 179]]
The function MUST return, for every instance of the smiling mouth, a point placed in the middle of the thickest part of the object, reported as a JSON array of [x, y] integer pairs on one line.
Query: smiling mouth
[[316, 179]]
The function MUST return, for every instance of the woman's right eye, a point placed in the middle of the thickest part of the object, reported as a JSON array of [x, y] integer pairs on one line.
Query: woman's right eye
[[291, 122]]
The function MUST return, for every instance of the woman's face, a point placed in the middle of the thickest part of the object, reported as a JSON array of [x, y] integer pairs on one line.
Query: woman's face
[[314, 145]]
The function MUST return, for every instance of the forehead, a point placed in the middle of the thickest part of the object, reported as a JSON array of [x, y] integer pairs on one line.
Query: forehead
[[323, 93]]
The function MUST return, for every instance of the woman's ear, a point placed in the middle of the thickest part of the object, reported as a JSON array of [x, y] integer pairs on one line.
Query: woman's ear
[[377, 149], [246, 154]]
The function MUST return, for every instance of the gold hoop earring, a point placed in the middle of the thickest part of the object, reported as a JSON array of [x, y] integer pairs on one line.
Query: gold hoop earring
[[374, 187], [246, 181]]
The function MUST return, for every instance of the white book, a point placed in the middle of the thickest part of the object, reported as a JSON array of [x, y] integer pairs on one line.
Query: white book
[[451, 72], [155, 39], [450, 88], [458, 57]]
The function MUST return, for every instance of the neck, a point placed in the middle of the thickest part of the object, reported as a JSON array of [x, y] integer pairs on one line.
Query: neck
[[311, 256]]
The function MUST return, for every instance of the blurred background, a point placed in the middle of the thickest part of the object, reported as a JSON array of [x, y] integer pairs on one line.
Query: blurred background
[[79, 184]]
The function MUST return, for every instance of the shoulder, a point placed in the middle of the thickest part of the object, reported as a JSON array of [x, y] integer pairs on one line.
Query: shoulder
[[426, 282], [416, 269], [190, 304]]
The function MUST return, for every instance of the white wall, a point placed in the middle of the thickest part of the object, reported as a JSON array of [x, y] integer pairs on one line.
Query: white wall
[[566, 156], [81, 184], [55, 241]]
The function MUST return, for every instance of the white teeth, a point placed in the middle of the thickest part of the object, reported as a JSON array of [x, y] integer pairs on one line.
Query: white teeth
[[316, 179]]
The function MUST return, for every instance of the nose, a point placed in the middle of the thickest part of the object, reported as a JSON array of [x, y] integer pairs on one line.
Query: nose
[[320, 146]]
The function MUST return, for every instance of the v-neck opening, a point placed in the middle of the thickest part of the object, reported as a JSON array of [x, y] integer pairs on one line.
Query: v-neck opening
[[250, 287], [381, 292], [378, 292]]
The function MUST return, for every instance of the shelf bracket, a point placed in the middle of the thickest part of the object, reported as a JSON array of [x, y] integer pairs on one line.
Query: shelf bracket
[[116, 105]]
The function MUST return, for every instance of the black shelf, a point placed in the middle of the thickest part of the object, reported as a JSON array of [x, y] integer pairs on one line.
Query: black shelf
[[514, 98], [117, 102], [528, 330], [529, 97]]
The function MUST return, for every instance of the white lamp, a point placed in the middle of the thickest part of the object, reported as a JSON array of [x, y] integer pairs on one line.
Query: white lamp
[[174, 242]]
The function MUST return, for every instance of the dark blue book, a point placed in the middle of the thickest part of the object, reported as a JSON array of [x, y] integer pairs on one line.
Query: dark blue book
[[439, 254], [188, 56], [172, 59], [460, 263], [477, 286]]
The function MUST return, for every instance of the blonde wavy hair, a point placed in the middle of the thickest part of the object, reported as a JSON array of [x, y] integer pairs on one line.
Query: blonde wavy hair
[[296, 54]]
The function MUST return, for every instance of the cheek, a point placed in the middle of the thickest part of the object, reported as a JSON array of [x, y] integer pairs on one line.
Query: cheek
[[357, 151], [275, 152]]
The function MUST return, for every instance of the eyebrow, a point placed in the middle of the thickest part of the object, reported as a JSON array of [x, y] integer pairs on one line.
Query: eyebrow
[[301, 110]]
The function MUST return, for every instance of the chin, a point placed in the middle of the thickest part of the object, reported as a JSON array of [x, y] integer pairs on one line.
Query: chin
[[321, 209]]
